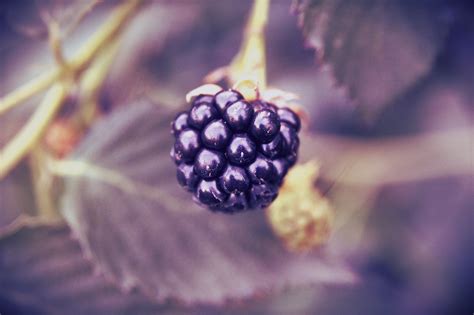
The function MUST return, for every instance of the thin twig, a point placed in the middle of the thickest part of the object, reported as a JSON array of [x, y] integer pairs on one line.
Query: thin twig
[[42, 181], [22, 142], [28, 136], [250, 63], [78, 64]]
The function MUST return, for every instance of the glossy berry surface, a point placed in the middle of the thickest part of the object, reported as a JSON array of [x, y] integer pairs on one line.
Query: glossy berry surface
[[201, 114], [208, 193], [239, 115], [180, 123], [234, 180], [187, 145], [226, 97], [290, 117], [262, 170], [216, 135], [241, 150], [209, 164], [186, 176], [265, 126], [231, 154], [274, 148]]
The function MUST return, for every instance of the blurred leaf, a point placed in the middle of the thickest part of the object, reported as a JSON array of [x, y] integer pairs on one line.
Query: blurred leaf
[[34, 15], [377, 49], [123, 202], [43, 271]]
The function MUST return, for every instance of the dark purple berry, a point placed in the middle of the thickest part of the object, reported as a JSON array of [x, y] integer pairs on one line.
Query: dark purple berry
[[241, 150], [272, 107], [262, 170], [259, 105], [265, 126], [281, 165], [291, 159], [209, 164], [208, 193], [238, 115], [216, 135], [203, 98], [180, 123], [235, 203], [261, 195], [274, 148], [186, 176], [187, 145], [234, 179], [176, 159], [290, 137], [201, 114], [290, 117], [226, 97]]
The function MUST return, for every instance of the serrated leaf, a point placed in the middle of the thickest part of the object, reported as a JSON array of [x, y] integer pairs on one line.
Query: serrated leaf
[[43, 271], [377, 49], [124, 204]]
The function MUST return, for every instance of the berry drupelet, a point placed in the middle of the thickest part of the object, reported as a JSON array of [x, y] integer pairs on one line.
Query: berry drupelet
[[233, 154]]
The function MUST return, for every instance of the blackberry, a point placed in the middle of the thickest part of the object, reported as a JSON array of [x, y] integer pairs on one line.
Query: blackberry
[[201, 114], [233, 154], [216, 135], [226, 97], [265, 126], [209, 164], [241, 150], [180, 123], [239, 115], [187, 145]]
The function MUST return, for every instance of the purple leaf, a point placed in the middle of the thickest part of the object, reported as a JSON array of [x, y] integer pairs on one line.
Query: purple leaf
[[377, 49], [123, 202], [43, 271]]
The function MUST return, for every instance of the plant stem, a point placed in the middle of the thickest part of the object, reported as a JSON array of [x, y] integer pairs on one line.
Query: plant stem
[[23, 141], [93, 80], [78, 64], [28, 136], [42, 181], [250, 62]]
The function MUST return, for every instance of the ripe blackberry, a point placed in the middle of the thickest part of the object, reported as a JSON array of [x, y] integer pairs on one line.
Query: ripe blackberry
[[265, 125], [233, 154]]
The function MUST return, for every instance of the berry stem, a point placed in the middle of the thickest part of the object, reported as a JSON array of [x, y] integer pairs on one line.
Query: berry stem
[[250, 61]]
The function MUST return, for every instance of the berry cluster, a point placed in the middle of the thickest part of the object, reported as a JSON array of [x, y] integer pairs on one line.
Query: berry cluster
[[233, 154]]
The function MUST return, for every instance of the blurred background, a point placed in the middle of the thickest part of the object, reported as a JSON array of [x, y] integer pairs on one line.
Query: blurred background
[[388, 89]]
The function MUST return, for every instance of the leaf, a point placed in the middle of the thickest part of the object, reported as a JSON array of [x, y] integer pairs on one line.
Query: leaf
[[43, 271], [124, 204], [377, 49]]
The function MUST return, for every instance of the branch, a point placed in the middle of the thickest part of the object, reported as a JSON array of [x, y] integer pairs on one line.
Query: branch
[[78, 64], [28, 136], [22, 142], [250, 63]]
